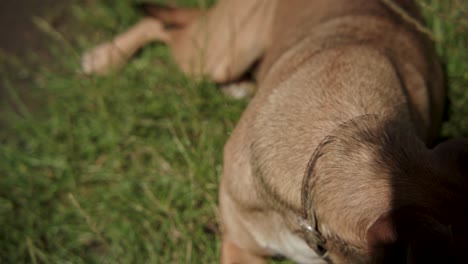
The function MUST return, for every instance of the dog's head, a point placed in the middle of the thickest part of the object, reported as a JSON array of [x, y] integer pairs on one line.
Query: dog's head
[[380, 196], [433, 229]]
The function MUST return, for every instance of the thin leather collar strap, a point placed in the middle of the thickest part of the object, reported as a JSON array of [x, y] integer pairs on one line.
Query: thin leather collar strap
[[308, 221]]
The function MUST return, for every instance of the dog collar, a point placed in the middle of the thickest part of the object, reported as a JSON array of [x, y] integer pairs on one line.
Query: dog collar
[[308, 220], [313, 237]]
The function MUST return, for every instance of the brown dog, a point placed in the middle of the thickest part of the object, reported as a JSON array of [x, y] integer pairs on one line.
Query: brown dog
[[349, 92]]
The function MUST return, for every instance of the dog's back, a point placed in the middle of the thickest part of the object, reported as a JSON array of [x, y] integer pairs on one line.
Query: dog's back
[[312, 28]]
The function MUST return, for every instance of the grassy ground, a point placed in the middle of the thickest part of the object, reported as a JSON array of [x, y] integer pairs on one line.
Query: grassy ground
[[125, 168]]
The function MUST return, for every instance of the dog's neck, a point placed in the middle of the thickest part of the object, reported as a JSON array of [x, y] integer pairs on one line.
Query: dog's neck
[[376, 155]]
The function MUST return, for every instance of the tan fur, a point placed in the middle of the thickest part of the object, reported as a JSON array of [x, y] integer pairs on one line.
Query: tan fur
[[352, 73]]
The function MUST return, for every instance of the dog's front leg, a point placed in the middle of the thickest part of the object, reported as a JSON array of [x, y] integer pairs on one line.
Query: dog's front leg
[[238, 245], [232, 254]]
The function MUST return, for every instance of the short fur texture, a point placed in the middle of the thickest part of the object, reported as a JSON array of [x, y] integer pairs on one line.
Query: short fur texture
[[353, 75]]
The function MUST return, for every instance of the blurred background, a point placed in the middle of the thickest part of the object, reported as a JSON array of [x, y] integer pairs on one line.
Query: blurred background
[[20, 37], [18, 31], [124, 168]]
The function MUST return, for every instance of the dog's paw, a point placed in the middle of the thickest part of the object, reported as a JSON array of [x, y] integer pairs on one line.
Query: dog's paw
[[240, 90], [102, 59]]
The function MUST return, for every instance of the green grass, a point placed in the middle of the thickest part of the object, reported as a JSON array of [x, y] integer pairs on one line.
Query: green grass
[[124, 168]]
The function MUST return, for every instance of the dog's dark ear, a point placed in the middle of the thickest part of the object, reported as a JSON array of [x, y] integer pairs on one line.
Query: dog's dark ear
[[408, 235], [454, 155], [381, 238], [382, 231], [428, 241]]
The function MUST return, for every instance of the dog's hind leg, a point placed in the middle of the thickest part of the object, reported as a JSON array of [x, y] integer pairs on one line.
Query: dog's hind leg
[[223, 42], [115, 53], [172, 16]]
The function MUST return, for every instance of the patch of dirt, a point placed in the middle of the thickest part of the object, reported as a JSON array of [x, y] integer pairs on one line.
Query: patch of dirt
[[21, 39], [18, 34]]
